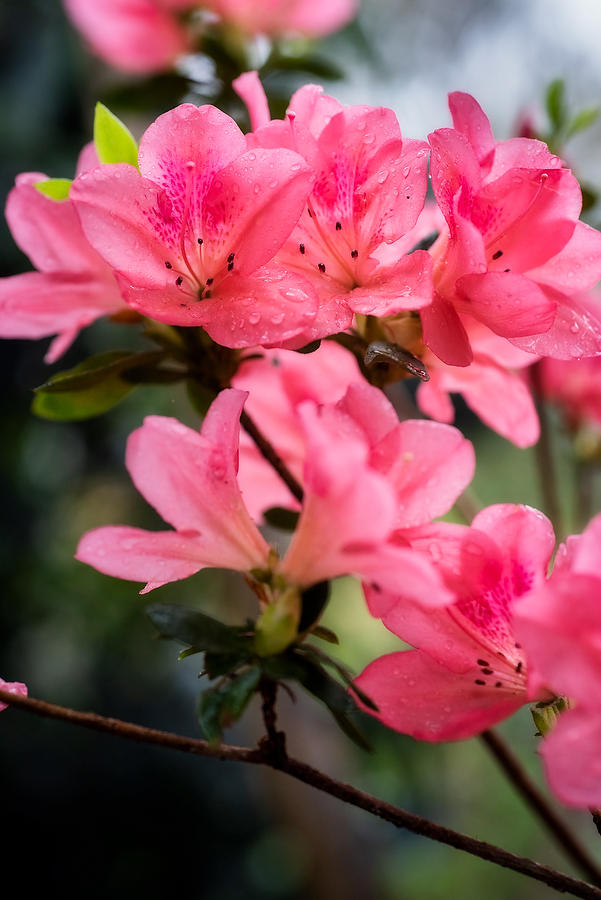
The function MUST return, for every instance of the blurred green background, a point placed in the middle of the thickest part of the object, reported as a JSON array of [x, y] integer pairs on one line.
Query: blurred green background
[[86, 814]]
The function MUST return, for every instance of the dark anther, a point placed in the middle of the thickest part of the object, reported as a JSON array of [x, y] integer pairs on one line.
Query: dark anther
[[230, 266], [338, 226], [354, 254], [518, 646], [479, 681], [487, 671], [179, 280], [498, 684], [482, 662], [407, 196], [507, 270], [321, 267], [168, 264], [230, 258], [301, 248], [185, 305], [498, 254], [518, 668], [310, 213], [209, 282], [200, 241], [376, 587], [207, 295]]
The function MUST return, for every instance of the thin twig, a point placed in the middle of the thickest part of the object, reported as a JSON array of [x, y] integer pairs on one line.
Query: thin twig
[[544, 455], [270, 454], [538, 803], [308, 775]]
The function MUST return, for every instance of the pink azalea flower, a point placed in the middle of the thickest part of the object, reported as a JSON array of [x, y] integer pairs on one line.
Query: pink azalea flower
[[368, 193], [279, 17], [73, 285], [559, 625], [468, 671], [574, 386], [191, 235], [13, 687], [133, 35], [514, 255], [347, 518]]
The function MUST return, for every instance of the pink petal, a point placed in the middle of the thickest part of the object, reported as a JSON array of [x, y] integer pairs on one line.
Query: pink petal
[[470, 119], [444, 333], [250, 90], [189, 144], [156, 557], [254, 205], [511, 305], [417, 696], [190, 479], [35, 305], [434, 400], [406, 285], [572, 760], [13, 687], [49, 231], [313, 109], [577, 267], [560, 629], [455, 171], [526, 537], [575, 332]]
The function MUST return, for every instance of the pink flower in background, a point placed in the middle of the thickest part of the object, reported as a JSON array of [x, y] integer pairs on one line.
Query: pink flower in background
[[313, 18], [468, 670], [514, 255], [192, 234], [13, 687], [134, 35], [346, 525], [73, 285], [559, 626], [369, 191], [574, 386]]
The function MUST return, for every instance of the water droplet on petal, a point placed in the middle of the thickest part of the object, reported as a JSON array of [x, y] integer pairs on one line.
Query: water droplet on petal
[[254, 317]]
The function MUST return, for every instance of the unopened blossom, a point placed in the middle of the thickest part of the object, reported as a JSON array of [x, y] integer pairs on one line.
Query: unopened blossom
[[192, 234], [469, 670], [13, 687], [369, 190], [559, 625], [133, 35], [513, 254], [345, 527], [72, 287]]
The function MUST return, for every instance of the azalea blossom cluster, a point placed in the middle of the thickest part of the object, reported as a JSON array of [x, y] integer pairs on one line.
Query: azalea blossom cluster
[[316, 228], [144, 36]]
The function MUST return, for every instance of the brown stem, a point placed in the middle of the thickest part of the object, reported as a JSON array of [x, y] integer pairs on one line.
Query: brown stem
[[596, 814], [544, 455], [538, 803], [302, 772], [274, 743], [270, 454]]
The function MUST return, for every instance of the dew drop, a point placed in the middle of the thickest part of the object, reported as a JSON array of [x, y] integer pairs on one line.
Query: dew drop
[[406, 171], [369, 138], [254, 318], [382, 177], [574, 327]]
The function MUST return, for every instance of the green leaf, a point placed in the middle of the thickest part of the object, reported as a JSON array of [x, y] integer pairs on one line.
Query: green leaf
[[199, 396], [192, 627], [313, 601], [222, 705], [114, 142], [555, 104], [583, 120], [280, 517], [217, 664], [56, 188], [325, 634], [97, 369]]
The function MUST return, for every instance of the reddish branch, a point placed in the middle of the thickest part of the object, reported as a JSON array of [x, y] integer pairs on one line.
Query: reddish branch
[[296, 769], [270, 454]]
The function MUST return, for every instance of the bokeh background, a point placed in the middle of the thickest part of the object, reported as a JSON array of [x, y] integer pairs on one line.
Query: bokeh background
[[86, 814]]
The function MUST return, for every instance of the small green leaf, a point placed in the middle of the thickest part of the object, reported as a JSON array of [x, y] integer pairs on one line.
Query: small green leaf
[[192, 627], [280, 517], [72, 406], [97, 369], [583, 120], [224, 704], [114, 142], [325, 634], [555, 104], [55, 188], [217, 664]]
